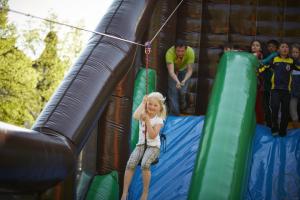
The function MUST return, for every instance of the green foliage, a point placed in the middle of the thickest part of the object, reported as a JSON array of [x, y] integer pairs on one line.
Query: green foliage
[[25, 86], [50, 68], [30, 40], [6, 30], [49, 25], [18, 98], [3, 13], [70, 41], [6, 45]]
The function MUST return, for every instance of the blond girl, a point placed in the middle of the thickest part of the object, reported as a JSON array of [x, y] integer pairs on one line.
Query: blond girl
[[150, 113]]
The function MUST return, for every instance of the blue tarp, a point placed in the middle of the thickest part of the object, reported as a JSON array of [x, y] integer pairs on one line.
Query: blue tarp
[[274, 167], [172, 174]]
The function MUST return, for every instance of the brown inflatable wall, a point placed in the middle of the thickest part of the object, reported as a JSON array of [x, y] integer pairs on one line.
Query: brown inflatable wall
[[114, 129], [208, 25], [163, 41]]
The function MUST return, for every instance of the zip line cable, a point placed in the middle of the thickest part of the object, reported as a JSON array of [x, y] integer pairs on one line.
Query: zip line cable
[[166, 21], [95, 32], [70, 26]]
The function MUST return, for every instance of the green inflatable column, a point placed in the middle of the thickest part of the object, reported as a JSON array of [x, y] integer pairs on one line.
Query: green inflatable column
[[83, 184], [138, 95], [104, 187], [221, 170]]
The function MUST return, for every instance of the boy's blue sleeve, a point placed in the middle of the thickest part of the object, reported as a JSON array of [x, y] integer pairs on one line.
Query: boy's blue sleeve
[[268, 59]]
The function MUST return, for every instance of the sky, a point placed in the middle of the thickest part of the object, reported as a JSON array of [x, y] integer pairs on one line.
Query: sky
[[72, 11]]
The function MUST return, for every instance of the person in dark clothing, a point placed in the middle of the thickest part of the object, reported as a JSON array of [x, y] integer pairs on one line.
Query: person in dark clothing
[[295, 92], [256, 49], [272, 47], [281, 66]]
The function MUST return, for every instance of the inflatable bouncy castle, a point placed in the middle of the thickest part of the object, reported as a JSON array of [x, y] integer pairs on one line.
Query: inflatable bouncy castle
[[80, 143]]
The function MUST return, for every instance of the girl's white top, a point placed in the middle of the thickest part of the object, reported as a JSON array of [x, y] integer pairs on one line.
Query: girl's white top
[[150, 142]]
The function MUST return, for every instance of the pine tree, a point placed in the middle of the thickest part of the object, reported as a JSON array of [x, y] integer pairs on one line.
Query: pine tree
[[70, 40], [49, 67], [26, 86], [18, 98]]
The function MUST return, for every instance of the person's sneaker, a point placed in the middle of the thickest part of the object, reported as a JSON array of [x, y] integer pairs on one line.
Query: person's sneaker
[[275, 134], [282, 133], [183, 107], [274, 130]]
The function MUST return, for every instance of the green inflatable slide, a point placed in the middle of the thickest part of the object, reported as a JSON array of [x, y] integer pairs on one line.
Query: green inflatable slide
[[221, 170]]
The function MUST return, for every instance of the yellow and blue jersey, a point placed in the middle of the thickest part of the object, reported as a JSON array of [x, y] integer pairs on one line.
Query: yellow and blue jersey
[[282, 69]]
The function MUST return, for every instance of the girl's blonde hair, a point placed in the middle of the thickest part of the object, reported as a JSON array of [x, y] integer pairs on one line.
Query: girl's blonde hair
[[161, 99]]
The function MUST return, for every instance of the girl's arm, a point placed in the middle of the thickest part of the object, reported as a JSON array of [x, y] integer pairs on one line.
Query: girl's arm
[[153, 131], [140, 109]]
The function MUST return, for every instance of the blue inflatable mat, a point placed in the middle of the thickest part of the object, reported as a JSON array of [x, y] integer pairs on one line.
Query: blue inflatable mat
[[171, 176], [275, 166]]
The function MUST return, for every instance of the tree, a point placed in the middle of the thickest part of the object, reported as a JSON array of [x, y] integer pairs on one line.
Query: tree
[[71, 44], [26, 86], [3, 15], [30, 40], [49, 67], [6, 30], [70, 40], [18, 98]]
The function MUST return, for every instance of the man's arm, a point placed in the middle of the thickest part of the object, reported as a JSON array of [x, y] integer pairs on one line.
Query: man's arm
[[191, 60], [171, 71], [188, 73]]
